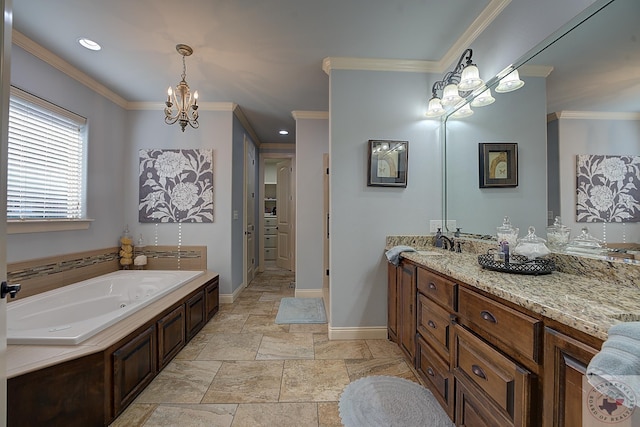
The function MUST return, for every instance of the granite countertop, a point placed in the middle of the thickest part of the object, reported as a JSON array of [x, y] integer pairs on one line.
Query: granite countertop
[[587, 304]]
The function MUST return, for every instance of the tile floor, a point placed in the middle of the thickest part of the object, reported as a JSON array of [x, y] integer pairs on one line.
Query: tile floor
[[243, 369]]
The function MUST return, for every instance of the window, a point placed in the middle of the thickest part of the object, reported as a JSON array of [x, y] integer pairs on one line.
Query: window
[[45, 173]]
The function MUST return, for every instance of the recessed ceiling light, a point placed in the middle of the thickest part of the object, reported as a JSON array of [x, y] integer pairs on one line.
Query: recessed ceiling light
[[283, 132], [89, 44]]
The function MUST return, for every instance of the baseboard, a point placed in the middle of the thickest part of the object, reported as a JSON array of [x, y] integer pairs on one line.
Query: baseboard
[[308, 293], [230, 298], [360, 333]]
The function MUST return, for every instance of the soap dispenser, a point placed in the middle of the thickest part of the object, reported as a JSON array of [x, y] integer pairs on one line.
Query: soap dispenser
[[438, 241]]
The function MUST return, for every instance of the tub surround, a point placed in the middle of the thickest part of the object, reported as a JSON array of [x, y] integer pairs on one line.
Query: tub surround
[[590, 299]]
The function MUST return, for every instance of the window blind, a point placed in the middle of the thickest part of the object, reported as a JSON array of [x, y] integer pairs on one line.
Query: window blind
[[45, 160]]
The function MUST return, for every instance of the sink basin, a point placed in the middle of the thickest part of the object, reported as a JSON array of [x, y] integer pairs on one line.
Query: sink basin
[[627, 317], [430, 253]]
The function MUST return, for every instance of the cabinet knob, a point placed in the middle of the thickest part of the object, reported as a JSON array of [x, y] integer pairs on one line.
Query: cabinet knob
[[430, 372], [432, 324], [486, 315], [478, 371]]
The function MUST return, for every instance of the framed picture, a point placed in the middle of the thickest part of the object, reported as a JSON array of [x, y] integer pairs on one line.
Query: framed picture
[[387, 163], [498, 164]]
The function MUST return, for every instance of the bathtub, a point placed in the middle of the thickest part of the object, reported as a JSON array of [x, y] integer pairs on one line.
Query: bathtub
[[74, 313]]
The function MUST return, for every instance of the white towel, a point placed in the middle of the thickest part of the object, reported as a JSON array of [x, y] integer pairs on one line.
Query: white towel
[[618, 362], [393, 254]]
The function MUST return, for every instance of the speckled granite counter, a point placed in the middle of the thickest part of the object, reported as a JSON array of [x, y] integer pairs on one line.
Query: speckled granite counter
[[586, 303]]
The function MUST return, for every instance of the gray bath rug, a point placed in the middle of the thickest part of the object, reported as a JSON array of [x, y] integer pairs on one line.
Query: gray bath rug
[[301, 310], [382, 401]]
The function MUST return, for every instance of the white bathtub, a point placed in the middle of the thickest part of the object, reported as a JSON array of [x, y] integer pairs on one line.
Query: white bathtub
[[73, 313]]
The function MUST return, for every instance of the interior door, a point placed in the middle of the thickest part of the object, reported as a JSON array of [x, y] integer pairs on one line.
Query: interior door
[[5, 49], [249, 210], [284, 201]]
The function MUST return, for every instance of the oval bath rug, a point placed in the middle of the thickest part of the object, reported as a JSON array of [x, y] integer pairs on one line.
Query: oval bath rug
[[383, 401]]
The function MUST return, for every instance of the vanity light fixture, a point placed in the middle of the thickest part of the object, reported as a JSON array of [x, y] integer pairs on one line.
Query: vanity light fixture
[[186, 112], [510, 82], [455, 85]]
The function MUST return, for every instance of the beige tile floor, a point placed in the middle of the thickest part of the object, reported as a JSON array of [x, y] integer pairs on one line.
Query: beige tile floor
[[243, 369]]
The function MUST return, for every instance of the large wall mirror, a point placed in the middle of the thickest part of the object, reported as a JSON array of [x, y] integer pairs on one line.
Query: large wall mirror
[[581, 98]]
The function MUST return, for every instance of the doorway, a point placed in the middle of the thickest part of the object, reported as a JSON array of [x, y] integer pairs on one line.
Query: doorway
[[277, 219]]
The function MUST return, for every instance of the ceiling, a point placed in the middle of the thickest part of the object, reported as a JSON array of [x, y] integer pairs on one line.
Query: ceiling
[[265, 56]]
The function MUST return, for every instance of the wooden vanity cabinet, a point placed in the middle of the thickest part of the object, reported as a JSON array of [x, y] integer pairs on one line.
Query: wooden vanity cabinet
[[393, 302], [407, 315], [565, 363]]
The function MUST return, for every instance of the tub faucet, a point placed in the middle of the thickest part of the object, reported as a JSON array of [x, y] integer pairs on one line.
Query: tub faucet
[[447, 243]]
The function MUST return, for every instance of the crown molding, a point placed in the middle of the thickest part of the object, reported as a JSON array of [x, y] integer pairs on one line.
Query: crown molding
[[486, 17], [375, 64], [318, 115], [592, 115], [237, 111], [535, 70], [40, 52]]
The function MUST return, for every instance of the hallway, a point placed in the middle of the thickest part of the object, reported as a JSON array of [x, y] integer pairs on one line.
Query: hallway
[[243, 369]]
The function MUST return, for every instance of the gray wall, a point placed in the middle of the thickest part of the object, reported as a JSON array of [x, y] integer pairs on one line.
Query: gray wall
[[312, 141], [518, 117], [375, 105], [107, 148], [579, 136]]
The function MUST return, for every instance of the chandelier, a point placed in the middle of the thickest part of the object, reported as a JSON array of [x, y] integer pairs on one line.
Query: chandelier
[[462, 81], [186, 111]]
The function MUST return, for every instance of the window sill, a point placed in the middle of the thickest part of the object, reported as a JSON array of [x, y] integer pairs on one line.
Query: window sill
[[46, 225]]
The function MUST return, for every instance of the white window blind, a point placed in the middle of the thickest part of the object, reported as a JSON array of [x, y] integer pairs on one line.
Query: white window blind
[[45, 173]]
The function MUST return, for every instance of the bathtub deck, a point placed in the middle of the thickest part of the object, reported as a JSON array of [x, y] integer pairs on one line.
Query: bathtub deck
[[22, 359]]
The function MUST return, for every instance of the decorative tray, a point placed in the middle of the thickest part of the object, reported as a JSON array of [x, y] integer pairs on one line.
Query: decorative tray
[[517, 264]]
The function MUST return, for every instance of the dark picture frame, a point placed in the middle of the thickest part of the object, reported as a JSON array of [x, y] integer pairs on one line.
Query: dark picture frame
[[387, 164], [498, 164]]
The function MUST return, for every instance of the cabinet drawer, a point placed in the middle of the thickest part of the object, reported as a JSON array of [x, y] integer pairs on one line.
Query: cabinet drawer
[[506, 383], [473, 410], [436, 374], [517, 330], [270, 241], [434, 325], [437, 288], [270, 254], [269, 231], [270, 222]]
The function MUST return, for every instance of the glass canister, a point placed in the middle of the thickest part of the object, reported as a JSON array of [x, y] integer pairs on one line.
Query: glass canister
[[558, 234], [506, 232], [532, 246], [126, 249]]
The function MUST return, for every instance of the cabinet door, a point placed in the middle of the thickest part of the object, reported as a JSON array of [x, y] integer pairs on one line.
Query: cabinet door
[[170, 335], [195, 314], [408, 311], [565, 363], [392, 302], [212, 298], [134, 366], [473, 410]]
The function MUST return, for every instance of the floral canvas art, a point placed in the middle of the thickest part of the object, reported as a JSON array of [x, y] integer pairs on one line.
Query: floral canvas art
[[608, 188], [176, 186]]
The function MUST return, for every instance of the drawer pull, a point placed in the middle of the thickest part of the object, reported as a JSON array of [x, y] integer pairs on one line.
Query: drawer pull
[[488, 316], [432, 324], [430, 372], [477, 370], [432, 286]]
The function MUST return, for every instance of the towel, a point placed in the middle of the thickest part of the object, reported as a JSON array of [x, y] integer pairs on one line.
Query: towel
[[393, 254], [618, 363]]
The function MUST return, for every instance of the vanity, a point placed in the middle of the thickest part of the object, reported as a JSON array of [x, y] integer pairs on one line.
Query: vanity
[[500, 349]]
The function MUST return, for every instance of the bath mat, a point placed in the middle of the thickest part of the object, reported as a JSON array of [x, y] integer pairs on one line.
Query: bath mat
[[382, 401], [301, 310]]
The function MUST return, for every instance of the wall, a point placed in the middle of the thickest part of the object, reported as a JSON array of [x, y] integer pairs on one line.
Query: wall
[[312, 141], [107, 142], [368, 105], [146, 129], [518, 117], [580, 136]]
